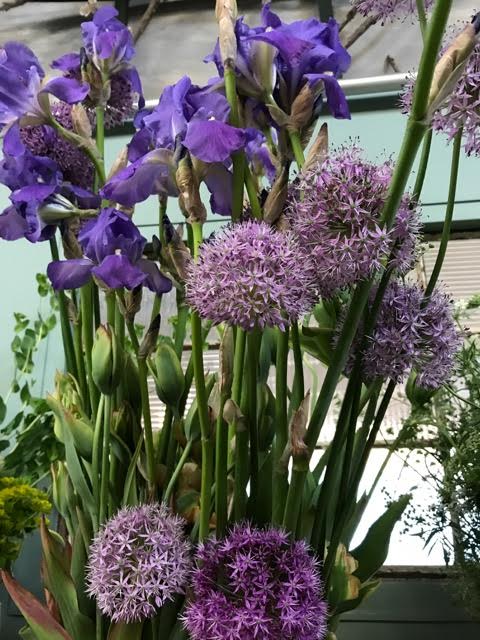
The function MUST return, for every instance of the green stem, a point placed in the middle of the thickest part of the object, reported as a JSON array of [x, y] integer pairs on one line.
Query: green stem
[[239, 431], [422, 167], [238, 158], [180, 329], [87, 337], [422, 17], [67, 338], [253, 351], [447, 224], [252, 194], [202, 404], [147, 425], [96, 454], [82, 377], [298, 390], [280, 475], [412, 139], [105, 473], [221, 470], [297, 147], [110, 300]]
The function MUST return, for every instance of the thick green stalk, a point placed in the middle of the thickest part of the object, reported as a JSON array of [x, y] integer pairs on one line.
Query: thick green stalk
[[147, 425], [100, 140], [422, 17], [298, 390], [82, 376], [280, 475], [447, 224], [415, 130], [87, 337], [180, 329], [238, 158], [105, 470], [202, 405], [67, 338], [239, 432]]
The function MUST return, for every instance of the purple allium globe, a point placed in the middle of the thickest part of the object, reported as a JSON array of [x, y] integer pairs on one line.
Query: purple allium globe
[[411, 333], [138, 561], [335, 213], [388, 10], [460, 109], [256, 584], [250, 275]]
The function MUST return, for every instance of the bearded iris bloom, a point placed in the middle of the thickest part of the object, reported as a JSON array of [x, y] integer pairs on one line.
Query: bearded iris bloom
[[113, 253], [40, 196], [23, 90]]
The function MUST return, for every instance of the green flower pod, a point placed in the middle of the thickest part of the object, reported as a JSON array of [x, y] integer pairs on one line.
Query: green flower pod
[[170, 380], [107, 360]]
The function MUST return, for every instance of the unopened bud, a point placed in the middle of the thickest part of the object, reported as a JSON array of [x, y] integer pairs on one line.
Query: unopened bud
[[55, 209], [226, 14], [170, 380], [189, 192], [130, 304], [302, 109], [227, 348], [71, 246], [81, 122], [298, 428], [119, 163], [318, 152], [275, 202], [451, 66], [107, 360], [149, 342], [180, 256]]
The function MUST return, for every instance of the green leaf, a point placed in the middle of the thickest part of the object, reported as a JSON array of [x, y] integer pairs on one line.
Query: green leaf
[[37, 616], [373, 551], [3, 410], [124, 631], [130, 497], [60, 584], [364, 592]]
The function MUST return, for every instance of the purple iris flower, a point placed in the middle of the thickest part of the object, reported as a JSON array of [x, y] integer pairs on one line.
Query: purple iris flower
[[113, 253], [22, 87], [187, 116], [39, 195], [305, 51], [108, 46]]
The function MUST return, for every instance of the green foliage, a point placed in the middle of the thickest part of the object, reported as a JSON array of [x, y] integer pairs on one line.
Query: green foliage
[[21, 507], [31, 428]]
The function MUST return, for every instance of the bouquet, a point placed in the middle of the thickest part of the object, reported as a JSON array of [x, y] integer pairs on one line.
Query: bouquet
[[219, 525]]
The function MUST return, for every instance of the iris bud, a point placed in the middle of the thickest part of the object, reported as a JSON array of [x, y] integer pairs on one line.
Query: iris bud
[[107, 360], [170, 379]]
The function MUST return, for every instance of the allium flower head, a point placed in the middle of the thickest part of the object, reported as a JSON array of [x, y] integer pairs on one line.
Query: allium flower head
[[412, 334], [460, 109], [256, 584], [336, 214], [251, 275], [388, 10], [138, 561]]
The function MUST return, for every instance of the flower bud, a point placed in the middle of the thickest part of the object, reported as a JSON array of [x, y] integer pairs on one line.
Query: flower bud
[[226, 361], [107, 360], [226, 14], [298, 429], [275, 202], [189, 196], [149, 342], [131, 303], [418, 396], [119, 163], [81, 122], [451, 66], [318, 152], [170, 380], [302, 109]]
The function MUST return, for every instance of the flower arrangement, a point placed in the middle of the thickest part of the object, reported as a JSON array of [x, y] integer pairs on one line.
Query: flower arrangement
[[219, 525]]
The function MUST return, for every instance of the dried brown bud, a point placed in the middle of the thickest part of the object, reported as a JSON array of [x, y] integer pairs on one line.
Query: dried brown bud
[[302, 109], [226, 14], [189, 196], [81, 122], [318, 152], [226, 361], [149, 342], [119, 163], [298, 428], [88, 8], [130, 303], [179, 255], [450, 67], [71, 246], [275, 202]]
